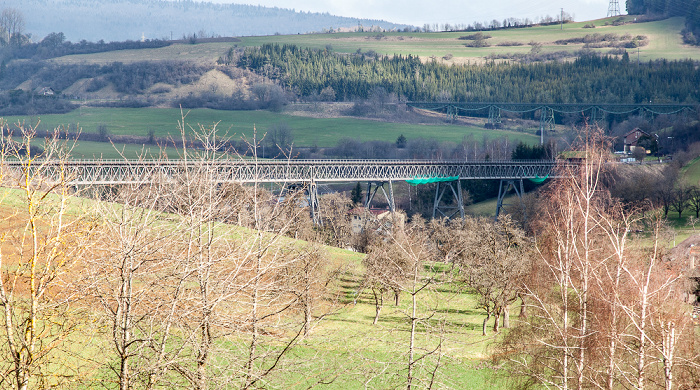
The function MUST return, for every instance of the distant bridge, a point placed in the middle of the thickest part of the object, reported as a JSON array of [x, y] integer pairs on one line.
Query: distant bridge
[[594, 111], [562, 108], [376, 173], [87, 172]]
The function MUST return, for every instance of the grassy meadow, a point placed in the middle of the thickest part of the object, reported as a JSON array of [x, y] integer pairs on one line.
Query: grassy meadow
[[664, 42], [307, 131], [347, 342]]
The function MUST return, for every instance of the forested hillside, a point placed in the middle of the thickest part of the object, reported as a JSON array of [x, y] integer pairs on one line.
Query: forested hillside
[[312, 75], [113, 20], [590, 78]]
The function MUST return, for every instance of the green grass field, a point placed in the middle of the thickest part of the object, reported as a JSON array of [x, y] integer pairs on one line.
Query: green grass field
[[664, 42], [348, 339], [322, 132], [108, 151], [690, 173]]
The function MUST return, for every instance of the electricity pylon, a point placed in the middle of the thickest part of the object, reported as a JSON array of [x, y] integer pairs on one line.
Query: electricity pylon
[[613, 8]]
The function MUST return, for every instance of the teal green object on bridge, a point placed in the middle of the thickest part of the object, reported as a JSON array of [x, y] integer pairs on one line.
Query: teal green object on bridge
[[427, 180], [539, 180]]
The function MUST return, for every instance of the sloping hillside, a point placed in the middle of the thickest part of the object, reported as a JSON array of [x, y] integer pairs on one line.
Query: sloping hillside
[[118, 20], [657, 39]]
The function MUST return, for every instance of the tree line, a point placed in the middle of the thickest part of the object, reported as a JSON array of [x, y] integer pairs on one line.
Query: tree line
[[308, 72]]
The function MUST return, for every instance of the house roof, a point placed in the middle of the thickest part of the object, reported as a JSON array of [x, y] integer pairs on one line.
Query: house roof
[[634, 132]]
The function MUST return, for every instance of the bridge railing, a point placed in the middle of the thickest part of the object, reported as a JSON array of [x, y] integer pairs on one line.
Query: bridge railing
[[247, 171], [275, 162]]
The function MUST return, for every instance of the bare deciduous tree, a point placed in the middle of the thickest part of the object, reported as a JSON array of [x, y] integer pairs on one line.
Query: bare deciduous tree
[[402, 261], [41, 242], [603, 311], [12, 24]]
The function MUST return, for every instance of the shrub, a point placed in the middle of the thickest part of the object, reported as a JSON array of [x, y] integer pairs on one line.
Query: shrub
[[477, 43], [618, 51], [474, 37], [96, 84], [509, 43]]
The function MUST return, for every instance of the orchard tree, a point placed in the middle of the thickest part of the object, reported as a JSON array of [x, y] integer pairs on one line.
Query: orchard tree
[[492, 258], [43, 240]]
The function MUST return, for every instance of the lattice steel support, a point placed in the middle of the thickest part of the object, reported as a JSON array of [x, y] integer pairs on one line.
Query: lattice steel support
[[546, 122], [311, 192], [613, 8], [646, 114], [494, 117], [371, 192], [503, 190], [448, 211], [597, 116], [451, 113]]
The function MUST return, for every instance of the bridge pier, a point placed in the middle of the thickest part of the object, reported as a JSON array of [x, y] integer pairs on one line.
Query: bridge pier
[[311, 192], [448, 211], [371, 192], [494, 120], [452, 113], [546, 122], [597, 116], [311, 195], [503, 190]]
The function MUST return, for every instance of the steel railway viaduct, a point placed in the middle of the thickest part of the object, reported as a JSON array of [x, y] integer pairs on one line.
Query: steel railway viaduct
[[378, 174]]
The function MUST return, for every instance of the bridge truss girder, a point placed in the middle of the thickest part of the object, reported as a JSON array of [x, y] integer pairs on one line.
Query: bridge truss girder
[[294, 171], [309, 173]]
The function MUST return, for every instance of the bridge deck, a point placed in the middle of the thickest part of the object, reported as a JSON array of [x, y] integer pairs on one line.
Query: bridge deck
[[84, 172], [565, 108]]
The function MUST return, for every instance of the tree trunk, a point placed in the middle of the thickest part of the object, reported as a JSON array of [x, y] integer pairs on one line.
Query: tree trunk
[[497, 318], [203, 354], [409, 376], [483, 325], [378, 303], [124, 382], [669, 340], [523, 307], [307, 317], [22, 379], [506, 316]]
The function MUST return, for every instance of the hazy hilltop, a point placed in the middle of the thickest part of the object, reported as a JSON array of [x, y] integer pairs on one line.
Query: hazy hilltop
[[119, 20]]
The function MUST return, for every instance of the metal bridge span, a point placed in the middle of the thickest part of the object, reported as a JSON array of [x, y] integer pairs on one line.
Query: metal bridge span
[[377, 174], [100, 172]]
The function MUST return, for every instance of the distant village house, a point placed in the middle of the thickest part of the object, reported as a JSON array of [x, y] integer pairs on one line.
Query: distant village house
[[46, 91], [632, 138]]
